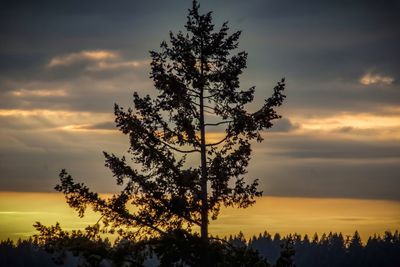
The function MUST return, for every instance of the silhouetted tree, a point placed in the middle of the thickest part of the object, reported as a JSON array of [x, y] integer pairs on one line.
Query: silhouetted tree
[[197, 77], [287, 253], [355, 250]]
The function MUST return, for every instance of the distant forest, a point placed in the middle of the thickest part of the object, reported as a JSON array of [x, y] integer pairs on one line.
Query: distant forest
[[327, 250]]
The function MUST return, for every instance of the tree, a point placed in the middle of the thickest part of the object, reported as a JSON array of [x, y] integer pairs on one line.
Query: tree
[[287, 253], [197, 78]]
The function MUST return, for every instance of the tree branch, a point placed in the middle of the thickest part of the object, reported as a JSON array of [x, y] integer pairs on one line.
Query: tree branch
[[193, 91], [210, 96], [178, 214], [205, 106], [209, 112], [223, 241], [219, 142], [218, 123], [177, 149]]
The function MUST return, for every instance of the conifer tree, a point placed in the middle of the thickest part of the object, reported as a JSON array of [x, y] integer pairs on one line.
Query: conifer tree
[[196, 74]]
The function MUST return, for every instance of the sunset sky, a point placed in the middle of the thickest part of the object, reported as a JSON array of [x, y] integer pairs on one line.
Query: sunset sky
[[63, 65]]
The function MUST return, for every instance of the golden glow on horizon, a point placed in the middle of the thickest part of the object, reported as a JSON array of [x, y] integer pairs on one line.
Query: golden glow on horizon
[[19, 211], [286, 215]]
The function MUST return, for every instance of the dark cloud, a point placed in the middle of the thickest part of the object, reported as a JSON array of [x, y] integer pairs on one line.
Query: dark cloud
[[284, 125], [330, 178], [330, 148], [38, 170], [30, 160], [346, 97], [322, 47], [310, 165], [44, 29]]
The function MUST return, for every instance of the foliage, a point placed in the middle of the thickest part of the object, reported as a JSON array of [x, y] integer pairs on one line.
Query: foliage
[[182, 249], [89, 247]]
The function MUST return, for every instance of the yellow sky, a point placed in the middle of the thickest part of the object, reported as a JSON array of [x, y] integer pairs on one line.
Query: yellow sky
[[19, 211]]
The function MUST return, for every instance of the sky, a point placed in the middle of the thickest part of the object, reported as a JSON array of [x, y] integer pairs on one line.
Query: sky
[[283, 215], [63, 65]]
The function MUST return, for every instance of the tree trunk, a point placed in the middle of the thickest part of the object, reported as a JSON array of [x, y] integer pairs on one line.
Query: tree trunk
[[204, 204]]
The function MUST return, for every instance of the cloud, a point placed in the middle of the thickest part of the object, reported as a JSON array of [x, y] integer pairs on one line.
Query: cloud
[[38, 92], [89, 55], [315, 147], [284, 125], [102, 126], [101, 66], [329, 178], [54, 120], [370, 79], [34, 147], [96, 60], [76, 88], [348, 120]]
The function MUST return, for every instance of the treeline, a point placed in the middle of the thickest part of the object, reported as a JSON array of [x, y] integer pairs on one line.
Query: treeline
[[27, 253], [331, 249], [23, 253], [327, 250]]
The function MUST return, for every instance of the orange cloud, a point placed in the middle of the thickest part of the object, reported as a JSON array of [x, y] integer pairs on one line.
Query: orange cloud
[[379, 126], [91, 55], [56, 119], [38, 92], [103, 65], [369, 79], [99, 60]]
